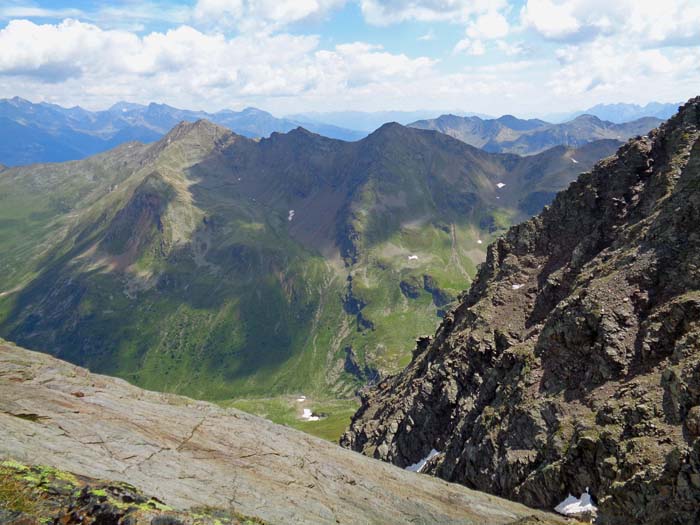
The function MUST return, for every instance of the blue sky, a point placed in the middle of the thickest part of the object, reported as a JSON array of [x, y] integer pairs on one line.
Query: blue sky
[[526, 57]]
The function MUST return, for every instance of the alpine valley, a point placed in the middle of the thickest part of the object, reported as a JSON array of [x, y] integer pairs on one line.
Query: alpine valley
[[219, 266], [424, 285]]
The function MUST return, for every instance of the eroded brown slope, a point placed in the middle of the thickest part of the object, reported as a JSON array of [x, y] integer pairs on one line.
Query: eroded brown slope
[[192, 454], [574, 360]]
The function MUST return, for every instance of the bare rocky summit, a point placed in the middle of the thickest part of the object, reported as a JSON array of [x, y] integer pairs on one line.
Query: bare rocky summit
[[574, 359], [192, 455]]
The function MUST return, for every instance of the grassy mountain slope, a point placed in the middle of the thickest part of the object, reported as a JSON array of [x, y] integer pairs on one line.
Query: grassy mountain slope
[[215, 265]]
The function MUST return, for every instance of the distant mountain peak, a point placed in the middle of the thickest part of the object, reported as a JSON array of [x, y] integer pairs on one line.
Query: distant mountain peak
[[388, 128], [250, 110], [587, 117], [298, 133], [518, 124], [622, 112], [123, 106], [18, 101], [509, 134], [200, 128], [160, 106], [303, 131]]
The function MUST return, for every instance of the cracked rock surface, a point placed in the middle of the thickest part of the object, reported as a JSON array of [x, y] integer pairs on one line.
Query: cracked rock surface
[[574, 359], [190, 454]]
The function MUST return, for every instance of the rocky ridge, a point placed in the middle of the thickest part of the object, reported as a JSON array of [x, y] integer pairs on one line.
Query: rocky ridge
[[574, 359], [194, 458]]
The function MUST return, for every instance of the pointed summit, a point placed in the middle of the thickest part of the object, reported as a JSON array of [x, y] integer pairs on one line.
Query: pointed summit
[[200, 128], [387, 131]]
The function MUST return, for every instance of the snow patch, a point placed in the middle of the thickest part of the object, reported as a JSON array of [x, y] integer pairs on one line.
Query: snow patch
[[517, 286], [500, 185], [574, 160], [417, 467], [291, 215], [308, 415], [572, 505], [412, 257]]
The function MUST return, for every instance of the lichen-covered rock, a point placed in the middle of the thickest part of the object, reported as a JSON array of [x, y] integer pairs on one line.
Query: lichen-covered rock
[[574, 359], [36, 495]]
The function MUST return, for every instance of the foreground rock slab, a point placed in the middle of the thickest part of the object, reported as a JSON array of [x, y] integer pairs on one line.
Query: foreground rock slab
[[189, 454]]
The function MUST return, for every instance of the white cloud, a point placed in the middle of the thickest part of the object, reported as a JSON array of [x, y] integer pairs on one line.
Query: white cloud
[[364, 63], [185, 66], [54, 52], [430, 35], [252, 15], [474, 47], [550, 19], [490, 25], [596, 67], [649, 21], [385, 12], [511, 48]]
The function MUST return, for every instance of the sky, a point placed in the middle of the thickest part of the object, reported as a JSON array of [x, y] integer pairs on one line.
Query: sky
[[524, 57]]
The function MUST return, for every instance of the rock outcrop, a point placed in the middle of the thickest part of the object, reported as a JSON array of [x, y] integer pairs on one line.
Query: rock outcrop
[[192, 455], [574, 359], [37, 495]]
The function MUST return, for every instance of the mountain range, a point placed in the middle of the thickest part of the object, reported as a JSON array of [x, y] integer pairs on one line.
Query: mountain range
[[215, 265], [368, 121], [32, 133], [622, 112], [509, 134], [572, 363], [44, 132]]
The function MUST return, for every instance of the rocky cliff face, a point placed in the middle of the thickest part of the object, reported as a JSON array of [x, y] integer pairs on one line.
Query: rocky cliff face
[[574, 359]]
